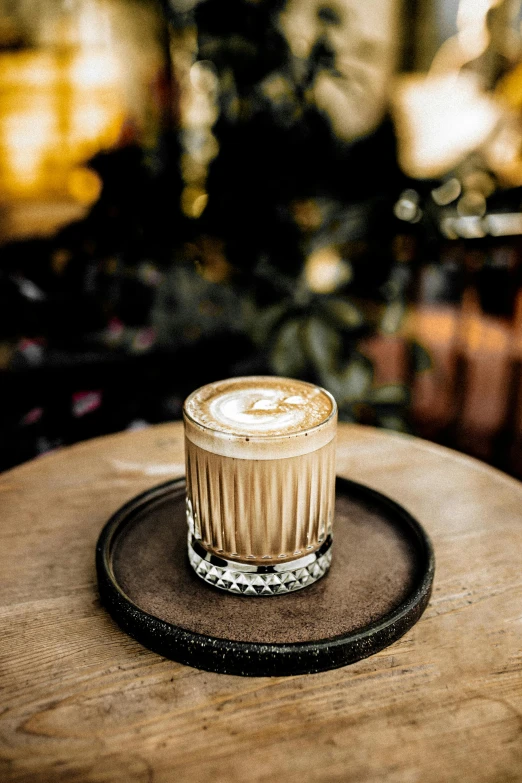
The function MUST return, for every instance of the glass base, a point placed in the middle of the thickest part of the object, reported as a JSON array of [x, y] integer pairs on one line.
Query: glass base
[[250, 579]]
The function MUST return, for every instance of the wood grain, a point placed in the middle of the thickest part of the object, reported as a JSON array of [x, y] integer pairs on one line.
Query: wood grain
[[80, 701]]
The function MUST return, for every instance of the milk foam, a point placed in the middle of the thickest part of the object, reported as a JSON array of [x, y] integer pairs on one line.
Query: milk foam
[[246, 417]]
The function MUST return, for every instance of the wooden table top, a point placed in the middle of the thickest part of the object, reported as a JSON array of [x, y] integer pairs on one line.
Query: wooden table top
[[81, 701]]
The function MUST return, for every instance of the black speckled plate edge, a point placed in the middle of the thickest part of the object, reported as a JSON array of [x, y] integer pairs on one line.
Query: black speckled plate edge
[[227, 656]]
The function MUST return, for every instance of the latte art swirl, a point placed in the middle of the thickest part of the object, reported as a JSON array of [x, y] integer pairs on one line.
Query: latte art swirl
[[260, 417], [260, 406], [259, 410]]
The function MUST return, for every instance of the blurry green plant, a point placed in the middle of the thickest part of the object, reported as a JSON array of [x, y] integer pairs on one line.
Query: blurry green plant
[[278, 201], [318, 337], [297, 332]]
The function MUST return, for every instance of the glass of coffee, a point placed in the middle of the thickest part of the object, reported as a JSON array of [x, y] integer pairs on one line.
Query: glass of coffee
[[260, 468]]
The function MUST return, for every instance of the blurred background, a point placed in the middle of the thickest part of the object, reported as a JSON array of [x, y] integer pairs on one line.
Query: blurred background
[[325, 190]]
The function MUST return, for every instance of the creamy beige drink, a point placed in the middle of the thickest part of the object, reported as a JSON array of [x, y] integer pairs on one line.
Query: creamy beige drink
[[260, 465]]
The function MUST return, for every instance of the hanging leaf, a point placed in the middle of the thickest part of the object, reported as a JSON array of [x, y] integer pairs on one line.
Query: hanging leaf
[[322, 345], [349, 385], [263, 322], [355, 380], [393, 316], [288, 357], [344, 313]]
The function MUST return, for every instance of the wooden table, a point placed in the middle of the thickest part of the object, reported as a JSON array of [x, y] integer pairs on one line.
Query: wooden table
[[80, 701]]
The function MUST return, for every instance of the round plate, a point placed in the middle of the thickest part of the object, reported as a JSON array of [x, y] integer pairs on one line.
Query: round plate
[[377, 588]]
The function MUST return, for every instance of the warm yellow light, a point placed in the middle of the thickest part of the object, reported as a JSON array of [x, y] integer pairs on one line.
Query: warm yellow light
[[94, 69], [472, 25], [33, 129], [193, 201], [440, 119], [326, 271], [473, 33], [91, 121], [25, 167], [510, 87], [25, 137], [84, 185], [472, 39], [199, 205], [32, 69], [484, 334], [432, 326], [56, 111]]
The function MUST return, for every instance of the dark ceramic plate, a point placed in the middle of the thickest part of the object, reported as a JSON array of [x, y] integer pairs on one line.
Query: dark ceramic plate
[[377, 588]]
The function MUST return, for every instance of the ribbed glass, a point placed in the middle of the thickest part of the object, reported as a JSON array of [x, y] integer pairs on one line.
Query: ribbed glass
[[261, 510]]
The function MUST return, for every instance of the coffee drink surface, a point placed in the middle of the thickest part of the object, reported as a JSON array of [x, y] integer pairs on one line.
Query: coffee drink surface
[[260, 465], [260, 417]]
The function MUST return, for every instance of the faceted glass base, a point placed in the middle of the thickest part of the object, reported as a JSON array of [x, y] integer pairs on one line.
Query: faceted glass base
[[247, 579]]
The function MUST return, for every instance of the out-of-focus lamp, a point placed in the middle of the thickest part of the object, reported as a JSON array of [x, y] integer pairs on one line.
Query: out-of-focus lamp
[[453, 110], [56, 111], [65, 93]]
